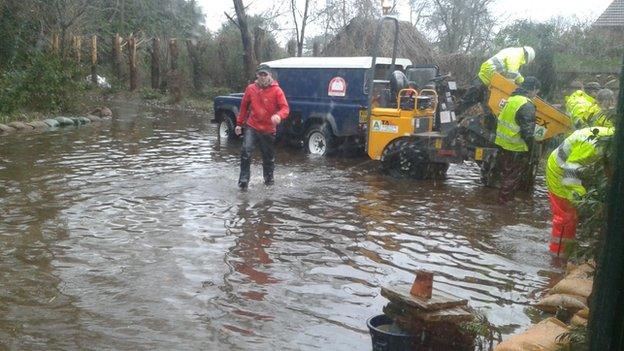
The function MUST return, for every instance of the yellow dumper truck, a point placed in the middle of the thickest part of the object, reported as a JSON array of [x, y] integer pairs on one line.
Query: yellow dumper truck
[[419, 135]]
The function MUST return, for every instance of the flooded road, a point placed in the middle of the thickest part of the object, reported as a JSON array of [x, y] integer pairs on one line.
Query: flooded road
[[132, 235]]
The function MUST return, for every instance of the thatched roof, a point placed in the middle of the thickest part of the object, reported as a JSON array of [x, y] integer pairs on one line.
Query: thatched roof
[[358, 37], [462, 67]]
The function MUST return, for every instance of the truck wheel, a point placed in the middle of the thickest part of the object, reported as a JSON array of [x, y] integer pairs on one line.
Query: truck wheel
[[403, 158], [319, 140], [226, 128]]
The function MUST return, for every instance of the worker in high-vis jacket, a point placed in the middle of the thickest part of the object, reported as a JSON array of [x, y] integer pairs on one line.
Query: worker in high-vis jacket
[[563, 179], [592, 89], [515, 131], [580, 106], [506, 62], [603, 115]]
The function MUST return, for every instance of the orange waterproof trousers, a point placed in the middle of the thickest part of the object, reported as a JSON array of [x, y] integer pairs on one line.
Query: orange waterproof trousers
[[564, 223]]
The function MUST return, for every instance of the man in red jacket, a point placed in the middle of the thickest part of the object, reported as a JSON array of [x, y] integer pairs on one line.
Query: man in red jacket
[[263, 107]]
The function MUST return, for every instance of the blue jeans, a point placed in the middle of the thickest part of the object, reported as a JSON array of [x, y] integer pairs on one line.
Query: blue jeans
[[266, 141]]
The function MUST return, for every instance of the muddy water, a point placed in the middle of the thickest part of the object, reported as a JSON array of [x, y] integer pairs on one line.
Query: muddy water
[[132, 235]]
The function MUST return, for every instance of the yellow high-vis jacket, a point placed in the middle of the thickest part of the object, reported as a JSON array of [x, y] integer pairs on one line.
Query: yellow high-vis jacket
[[506, 62]]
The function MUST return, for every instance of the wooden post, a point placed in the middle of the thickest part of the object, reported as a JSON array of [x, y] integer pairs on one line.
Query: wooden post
[[194, 56], [134, 74], [155, 63], [174, 80], [316, 49], [77, 41], [173, 54], [55, 43], [94, 59], [117, 56]]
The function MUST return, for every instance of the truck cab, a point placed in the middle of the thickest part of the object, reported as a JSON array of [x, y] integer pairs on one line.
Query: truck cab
[[328, 99]]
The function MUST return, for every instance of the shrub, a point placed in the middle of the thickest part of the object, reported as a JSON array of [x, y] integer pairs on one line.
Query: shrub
[[150, 94], [592, 208], [43, 83]]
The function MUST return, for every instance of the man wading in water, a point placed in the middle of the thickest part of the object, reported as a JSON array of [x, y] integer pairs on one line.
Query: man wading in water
[[263, 107]]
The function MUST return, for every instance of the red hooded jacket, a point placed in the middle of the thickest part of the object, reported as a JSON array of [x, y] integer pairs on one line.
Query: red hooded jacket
[[259, 104]]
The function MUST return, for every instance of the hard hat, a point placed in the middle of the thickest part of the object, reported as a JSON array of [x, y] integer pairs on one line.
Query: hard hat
[[530, 53], [593, 86], [605, 95]]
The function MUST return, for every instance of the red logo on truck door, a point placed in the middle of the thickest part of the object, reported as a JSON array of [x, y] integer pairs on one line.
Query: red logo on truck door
[[337, 87]]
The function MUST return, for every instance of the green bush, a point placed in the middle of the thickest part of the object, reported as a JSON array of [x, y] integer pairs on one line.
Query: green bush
[[150, 94], [592, 208], [43, 83]]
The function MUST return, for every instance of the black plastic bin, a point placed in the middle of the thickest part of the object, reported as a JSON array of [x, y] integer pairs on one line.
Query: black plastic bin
[[389, 339]]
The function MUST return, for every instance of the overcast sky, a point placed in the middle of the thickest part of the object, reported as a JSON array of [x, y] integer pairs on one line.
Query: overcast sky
[[538, 10]]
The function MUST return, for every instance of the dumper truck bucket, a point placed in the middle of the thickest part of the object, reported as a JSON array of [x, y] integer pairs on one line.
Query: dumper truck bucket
[[549, 121]]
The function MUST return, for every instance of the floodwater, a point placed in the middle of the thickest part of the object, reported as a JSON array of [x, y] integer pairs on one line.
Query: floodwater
[[132, 235]]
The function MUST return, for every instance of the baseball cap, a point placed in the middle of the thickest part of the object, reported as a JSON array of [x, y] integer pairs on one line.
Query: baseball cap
[[263, 69], [531, 83]]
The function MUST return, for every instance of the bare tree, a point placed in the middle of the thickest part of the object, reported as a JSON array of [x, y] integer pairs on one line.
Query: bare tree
[[300, 35], [61, 16], [195, 51], [417, 11], [460, 25], [249, 56]]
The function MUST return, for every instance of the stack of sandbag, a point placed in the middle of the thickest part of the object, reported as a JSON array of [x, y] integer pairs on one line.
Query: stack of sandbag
[[580, 318], [542, 336], [571, 293]]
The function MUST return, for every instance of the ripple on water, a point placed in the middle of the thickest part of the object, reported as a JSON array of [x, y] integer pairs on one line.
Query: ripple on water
[[133, 235]]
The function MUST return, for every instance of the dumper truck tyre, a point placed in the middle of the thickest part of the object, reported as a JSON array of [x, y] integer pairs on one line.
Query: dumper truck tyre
[[225, 128], [403, 158], [319, 140]]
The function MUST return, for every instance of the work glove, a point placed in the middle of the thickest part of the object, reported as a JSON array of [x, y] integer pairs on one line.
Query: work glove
[[276, 119]]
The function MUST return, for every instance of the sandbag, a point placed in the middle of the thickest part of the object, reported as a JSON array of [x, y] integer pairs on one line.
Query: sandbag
[[106, 112], [584, 271], [20, 125], [38, 125], [571, 303], [578, 320], [571, 286], [84, 120], [64, 121], [584, 313], [103, 112], [93, 118], [51, 122], [540, 337], [6, 129]]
